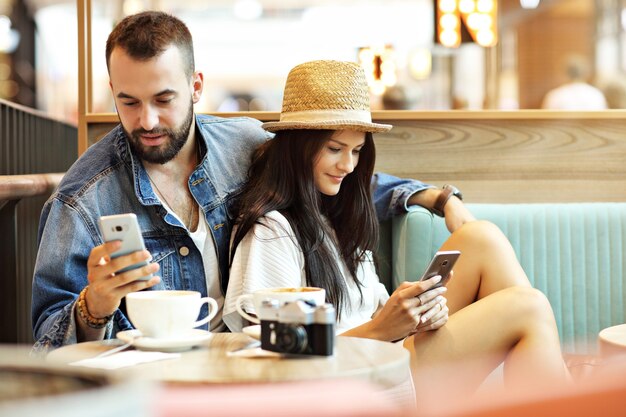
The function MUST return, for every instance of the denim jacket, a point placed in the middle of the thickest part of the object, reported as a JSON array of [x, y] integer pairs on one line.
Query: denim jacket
[[108, 179]]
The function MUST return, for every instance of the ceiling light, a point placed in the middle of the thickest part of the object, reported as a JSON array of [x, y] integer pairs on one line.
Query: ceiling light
[[529, 4], [9, 38]]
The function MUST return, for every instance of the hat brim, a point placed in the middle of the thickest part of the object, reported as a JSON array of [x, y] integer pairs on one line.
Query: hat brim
[[328, 125]]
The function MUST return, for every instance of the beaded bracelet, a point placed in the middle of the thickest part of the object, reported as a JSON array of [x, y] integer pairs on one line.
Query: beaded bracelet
[[86, 317]]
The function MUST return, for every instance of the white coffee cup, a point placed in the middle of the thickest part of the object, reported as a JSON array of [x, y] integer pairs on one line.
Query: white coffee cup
[[282, 295], [167, 314]]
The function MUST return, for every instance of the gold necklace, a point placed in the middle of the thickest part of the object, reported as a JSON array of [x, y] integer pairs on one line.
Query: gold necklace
[[192, 209], [190, 212]]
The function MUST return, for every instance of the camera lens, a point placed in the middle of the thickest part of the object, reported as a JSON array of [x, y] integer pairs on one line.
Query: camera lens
[[291, 338], [118, 228]]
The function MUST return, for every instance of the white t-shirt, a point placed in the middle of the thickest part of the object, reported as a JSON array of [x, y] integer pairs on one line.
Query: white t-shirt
[[204, 242], [269, 256], [574, 96]]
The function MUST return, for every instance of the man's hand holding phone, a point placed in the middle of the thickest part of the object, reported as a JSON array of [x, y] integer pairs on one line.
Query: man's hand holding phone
[[118, 266]]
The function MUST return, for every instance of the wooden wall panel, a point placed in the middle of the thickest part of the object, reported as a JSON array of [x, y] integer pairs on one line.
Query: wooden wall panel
[[500, 157], [512, 161]]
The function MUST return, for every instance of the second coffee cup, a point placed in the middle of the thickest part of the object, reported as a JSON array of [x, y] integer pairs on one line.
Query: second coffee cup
[[314, 295], [167, 314]]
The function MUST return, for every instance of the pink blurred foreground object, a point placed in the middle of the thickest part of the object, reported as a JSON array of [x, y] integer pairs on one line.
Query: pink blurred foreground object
[[343, 398], [601, 392]]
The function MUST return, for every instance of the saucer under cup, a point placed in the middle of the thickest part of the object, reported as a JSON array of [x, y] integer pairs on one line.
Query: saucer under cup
[[186, 341]]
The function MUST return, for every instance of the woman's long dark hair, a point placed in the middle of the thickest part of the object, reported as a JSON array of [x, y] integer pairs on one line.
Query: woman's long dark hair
[[281, 178]]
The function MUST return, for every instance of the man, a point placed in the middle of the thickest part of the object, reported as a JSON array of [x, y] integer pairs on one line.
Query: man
[[178, 172], [576, 93]]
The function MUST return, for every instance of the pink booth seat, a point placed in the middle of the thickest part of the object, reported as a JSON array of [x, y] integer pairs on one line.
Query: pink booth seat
[[600, 393], [341, 398]]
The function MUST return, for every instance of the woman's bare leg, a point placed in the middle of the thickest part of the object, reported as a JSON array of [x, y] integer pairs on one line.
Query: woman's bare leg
[[487, 264], [515, 325]]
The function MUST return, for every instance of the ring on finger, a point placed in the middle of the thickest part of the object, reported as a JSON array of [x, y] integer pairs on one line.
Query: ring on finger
[[419, 301]]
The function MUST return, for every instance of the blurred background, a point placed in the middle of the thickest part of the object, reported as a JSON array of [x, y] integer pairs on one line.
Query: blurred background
[[419, 54]]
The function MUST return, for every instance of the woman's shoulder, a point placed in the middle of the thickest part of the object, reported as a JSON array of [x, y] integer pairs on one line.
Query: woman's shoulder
[[274, 218], [275, 223]]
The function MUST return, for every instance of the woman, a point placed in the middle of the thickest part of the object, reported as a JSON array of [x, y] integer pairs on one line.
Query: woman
[[306, 217]]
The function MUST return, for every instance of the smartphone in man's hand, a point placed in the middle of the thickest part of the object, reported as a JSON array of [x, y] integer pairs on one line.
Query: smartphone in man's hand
[[441, 264], [124, 227]]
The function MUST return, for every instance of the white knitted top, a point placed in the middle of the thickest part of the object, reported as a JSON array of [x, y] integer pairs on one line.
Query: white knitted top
[[269, 256]]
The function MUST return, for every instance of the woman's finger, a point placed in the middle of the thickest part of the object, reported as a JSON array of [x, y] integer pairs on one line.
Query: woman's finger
[[433, 307], [416, 313], [437, 322], [430, 295], [417, 288], [432, 311], [427, 301]]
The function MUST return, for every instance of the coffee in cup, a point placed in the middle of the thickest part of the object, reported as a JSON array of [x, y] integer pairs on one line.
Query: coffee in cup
[[167, 314], [283, 295]]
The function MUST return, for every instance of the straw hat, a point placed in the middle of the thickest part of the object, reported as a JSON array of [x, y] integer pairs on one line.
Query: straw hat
[[329, 95]]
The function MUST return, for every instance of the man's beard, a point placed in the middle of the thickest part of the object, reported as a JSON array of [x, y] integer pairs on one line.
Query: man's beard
[[166, 152]]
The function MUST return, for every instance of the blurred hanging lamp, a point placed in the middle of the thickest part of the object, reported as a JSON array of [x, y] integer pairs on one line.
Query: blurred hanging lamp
[[529, 4], [9, 38], [448, 23], [378, 62], [464, 20]]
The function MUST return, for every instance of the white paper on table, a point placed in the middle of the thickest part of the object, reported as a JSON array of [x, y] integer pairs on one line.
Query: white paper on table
[[254, 353], [124, 359]]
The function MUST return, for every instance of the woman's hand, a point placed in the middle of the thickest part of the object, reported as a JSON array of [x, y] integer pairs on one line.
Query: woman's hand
[[434, 318], [412, 306], [402, 314]]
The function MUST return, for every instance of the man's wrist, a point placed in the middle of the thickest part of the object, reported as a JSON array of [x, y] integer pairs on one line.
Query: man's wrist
[[424, 198], [448, 191], [86, 317]]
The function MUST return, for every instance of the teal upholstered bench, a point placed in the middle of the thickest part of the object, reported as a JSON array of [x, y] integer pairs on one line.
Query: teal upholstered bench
[[573, 253]]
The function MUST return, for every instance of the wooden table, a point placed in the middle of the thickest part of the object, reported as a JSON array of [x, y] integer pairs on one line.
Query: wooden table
[[381, 363]]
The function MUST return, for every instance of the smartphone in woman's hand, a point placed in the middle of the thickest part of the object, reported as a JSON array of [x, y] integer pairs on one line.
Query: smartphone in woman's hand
[[441, 264]]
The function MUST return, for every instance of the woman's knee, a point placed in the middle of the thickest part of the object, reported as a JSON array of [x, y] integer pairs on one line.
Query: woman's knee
[[481, 232], [529, 305]]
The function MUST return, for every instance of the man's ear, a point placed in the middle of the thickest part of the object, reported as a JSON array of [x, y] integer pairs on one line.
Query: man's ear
[[198, 85]]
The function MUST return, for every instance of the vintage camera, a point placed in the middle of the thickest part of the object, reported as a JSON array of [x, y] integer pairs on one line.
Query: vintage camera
[[297, 327]]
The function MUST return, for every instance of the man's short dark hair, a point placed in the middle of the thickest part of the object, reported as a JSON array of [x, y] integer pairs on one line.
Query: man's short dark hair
[[146, 35]]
